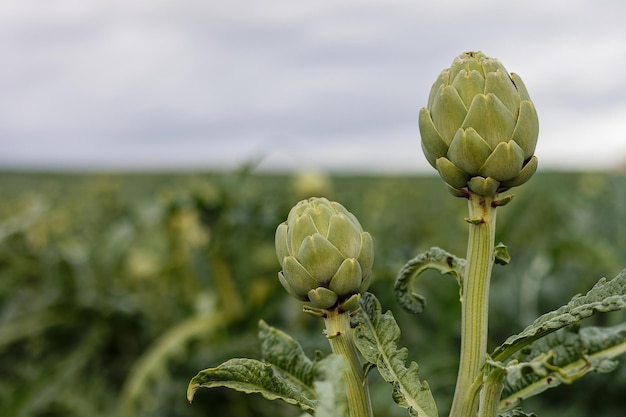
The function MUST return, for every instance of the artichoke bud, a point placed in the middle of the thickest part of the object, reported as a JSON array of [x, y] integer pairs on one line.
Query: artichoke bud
[[480, 128], [325, 256]]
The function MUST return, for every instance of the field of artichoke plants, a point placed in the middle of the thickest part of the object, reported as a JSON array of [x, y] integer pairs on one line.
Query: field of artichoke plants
[[115, 290]]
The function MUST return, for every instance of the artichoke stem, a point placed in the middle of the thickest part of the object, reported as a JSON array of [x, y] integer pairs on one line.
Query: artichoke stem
[[475, 302], [340, 337]]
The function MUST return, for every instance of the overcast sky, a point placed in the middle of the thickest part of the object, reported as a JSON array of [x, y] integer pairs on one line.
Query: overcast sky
[[301, 84]]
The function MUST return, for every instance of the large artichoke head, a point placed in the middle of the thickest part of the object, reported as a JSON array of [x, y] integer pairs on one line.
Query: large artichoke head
[[479, 129], [325, 255]]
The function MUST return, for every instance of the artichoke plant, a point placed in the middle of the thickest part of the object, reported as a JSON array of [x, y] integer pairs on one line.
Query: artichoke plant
[[325, 255], [480, 128]]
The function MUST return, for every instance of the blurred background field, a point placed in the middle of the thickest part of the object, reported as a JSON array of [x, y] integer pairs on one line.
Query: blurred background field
[[116, 289]]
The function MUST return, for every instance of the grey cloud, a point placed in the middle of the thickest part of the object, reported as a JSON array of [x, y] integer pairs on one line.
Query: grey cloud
[[224, 79]]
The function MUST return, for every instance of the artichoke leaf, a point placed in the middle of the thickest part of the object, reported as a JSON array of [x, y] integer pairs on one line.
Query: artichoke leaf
[[504, 163], [320, 258], [562, 357], [448, 113], [451, 173], [483, 186], [376, 337], [521, 87], [604, 297], [435, 258], [322, 297], [347, 279], [295, 278], [281, 242], [286, 374], [366, 254], [299, 229], [500, 84], [433, 144], [344, 235], [468, 151], [440, 82], [524, 175], [319, 214], [491, 119], [468, 84], [526, 131]]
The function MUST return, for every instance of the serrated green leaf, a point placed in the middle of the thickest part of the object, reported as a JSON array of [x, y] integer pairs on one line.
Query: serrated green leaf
[[604, 297], [330, 386], [562, 357], [288, 374], [253, 376], [281, 350], [436, 259], [517, 413], [376, 337]]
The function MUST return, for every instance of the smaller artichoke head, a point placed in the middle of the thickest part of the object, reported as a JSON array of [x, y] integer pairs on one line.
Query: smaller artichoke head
[[325, 255], [480, 129]]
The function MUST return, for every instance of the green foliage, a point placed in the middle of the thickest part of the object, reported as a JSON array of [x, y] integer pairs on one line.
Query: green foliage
[[605, 296], [436, 259], [377, 337], [551, 351], [286, 373], [252, 376], [153, 361], [115, 280], [562, 357], [112, 287]]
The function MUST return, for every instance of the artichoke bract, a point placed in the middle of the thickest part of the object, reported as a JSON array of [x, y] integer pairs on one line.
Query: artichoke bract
[[325, 255], [480, 128]]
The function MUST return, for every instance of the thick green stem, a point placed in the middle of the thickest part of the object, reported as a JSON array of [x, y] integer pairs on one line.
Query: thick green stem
[[341, 340], [475, 302], [493, 384]]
